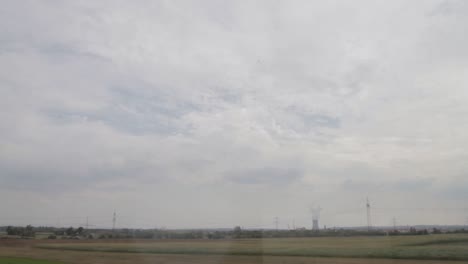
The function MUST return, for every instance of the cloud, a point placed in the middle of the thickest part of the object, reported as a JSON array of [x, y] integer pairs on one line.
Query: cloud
[[265, 176], [310, 100], [450, 7]]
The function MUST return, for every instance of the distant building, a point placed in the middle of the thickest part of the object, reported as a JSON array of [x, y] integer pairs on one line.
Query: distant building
[[315, 225]]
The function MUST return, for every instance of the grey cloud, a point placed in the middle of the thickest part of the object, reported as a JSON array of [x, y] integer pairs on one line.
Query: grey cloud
[[414, 184], [267, 175], [58, 176], [321, 121], [63, 52], [368, 185], [134, 112], [43, 179], [236, 96], [450, 7]]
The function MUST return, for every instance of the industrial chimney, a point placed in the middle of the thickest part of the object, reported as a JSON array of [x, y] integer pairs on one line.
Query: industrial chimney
[[315, 217]]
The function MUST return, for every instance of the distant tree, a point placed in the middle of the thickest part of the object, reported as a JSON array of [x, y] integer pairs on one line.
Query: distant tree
[[59, 232], [10, 231], [237, 232], [70, 231], [79, 230], [28, 231]]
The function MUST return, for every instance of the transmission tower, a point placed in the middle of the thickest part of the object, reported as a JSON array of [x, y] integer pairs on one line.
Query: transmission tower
[[276, 223], [114, 219], [368, 208]]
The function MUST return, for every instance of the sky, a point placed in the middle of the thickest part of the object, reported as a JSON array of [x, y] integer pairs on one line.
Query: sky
[[207, 114]]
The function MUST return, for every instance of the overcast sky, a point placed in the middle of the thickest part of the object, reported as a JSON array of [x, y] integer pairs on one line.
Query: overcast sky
[[223, 113]]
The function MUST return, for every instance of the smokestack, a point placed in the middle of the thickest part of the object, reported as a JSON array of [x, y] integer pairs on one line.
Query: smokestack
[[315, 225], [315, 217]]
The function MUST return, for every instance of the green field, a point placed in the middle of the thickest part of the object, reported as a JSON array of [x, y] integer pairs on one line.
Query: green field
[[436, 247], [25, 261]]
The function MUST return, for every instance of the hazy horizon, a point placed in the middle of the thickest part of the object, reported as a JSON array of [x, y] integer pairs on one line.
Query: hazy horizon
[[209, 114]]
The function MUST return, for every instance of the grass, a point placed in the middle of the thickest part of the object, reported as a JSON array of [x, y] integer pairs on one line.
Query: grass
[[445, 241], [436, 247], [43, 235], [5, 260]]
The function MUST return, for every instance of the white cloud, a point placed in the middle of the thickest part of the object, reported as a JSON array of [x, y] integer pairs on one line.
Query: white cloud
[[223, 104]]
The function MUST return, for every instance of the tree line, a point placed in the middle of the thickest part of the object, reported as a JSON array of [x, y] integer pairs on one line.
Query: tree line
[[235, 233], [27, 231]]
